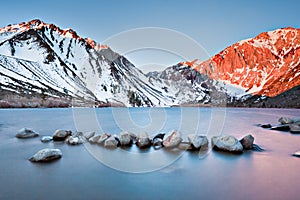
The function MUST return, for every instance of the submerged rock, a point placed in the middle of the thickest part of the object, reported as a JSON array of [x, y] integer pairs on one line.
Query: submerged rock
[[46, 139], [227, 143], [247, 142], [296, 120], [285, 120], [294, 128], [111, 142], [46, 155], [125, 139], [198, 141], [173, 139], [61, 135], [26, 133], [74, 140], [143, 140], [103, 137]]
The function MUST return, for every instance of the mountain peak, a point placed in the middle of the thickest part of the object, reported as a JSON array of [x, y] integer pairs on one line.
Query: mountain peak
[[37, 24]]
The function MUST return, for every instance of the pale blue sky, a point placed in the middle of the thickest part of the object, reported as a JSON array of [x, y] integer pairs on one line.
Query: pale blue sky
[[213, 24]]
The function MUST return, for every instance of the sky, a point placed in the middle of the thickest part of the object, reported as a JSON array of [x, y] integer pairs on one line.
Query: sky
[[212, 24]]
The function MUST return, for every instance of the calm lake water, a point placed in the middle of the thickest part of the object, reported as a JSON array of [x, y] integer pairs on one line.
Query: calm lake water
[[93, 172]]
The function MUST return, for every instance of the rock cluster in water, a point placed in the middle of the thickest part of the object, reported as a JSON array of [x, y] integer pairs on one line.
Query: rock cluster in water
[[142, 140], [285, 124]]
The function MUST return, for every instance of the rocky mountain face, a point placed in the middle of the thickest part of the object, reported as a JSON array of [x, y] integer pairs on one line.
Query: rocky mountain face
[[42, 60], [42, 65], [266, 65]]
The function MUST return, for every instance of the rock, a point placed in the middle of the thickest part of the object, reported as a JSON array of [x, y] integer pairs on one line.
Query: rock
[[143, 140], [46, 139], [282, 127], [173, 139], [133, 137], [95, 138], [111, 142], [88, 135], [185, 146], [74, 140], [294, 128], [198, 141], [103, 137], [285, 120], [61, 135], [227, 143], [297, 154], [247, 142], [158, 140], [46, 155], [266, 126], [125, 139], [257, 148], [26, 133]]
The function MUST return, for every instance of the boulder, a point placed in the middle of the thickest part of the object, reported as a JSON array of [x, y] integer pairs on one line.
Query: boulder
[[158, 140], [46, 139], [227, 143], [285, 120], [94, 139], [61, 135], [74, 140], [46, 155], [198, 141], [143, 140], [173, 139], [111, 142], [103, 137], [294, 128], [26, 133], [247, 141], [125, 139], [88, 135]]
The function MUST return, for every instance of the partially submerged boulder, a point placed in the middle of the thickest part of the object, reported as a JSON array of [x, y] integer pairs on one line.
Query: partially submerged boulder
[[111, 142], [198, 141], [103, 137], [173, 139], [281, 127], [46, 139], [46, 155], [143, 140], [285, 120], [26, 133], [125, 139], [89, 134], [227, 143], [247, 142], [61, 135], [158, 140], [74, 140], [95, 138]]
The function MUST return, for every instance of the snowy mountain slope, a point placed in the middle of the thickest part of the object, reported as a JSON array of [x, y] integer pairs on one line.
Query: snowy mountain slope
[[267, 65], [44, 56]]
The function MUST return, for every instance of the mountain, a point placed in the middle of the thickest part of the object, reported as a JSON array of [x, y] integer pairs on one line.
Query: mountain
[[42, 61], [266, 65]]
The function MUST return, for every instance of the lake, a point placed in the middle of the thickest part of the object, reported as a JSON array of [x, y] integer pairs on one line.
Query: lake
[[93, 172]]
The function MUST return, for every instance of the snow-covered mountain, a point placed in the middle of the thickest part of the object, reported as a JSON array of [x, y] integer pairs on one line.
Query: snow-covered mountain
[[39, 58], [40, 62], [266, 65]]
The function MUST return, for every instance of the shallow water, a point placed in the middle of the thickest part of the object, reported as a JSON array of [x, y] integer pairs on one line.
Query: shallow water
[[93, 172]]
